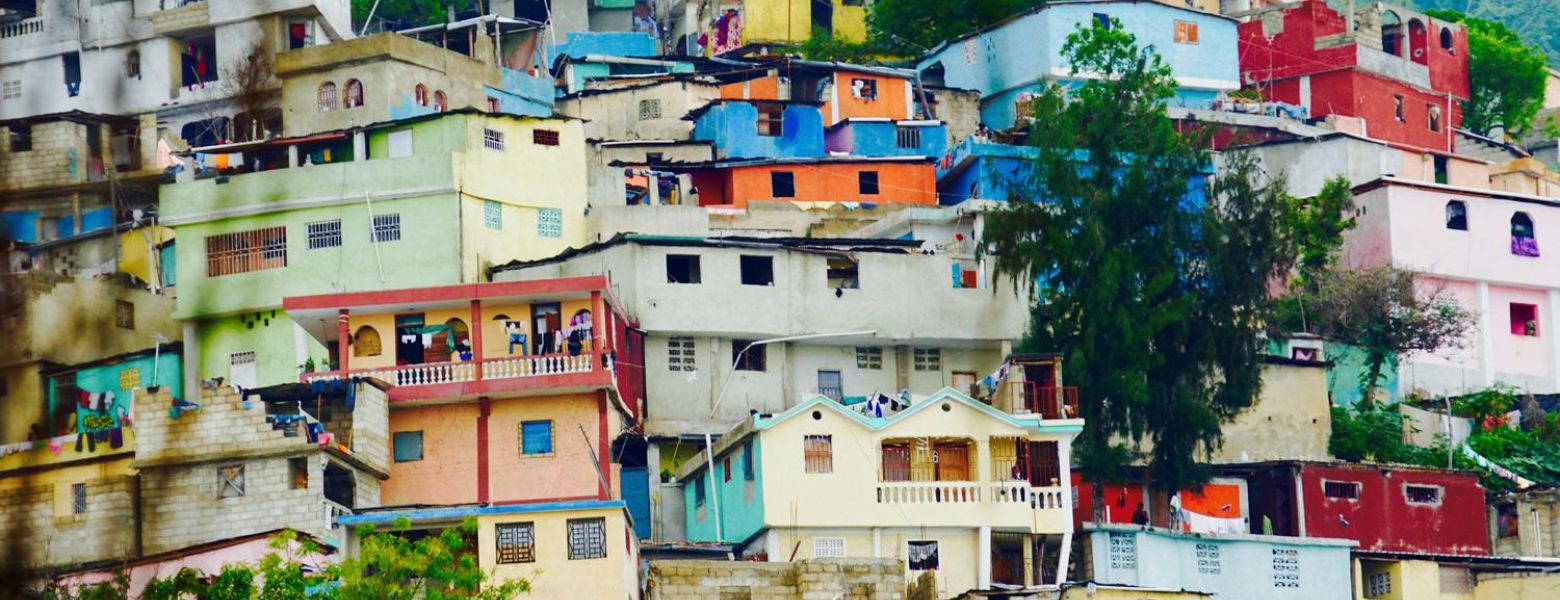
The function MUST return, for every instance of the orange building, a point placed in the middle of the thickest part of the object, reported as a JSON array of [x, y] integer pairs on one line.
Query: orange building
[[503, 392], [895, 180], [844, 91]]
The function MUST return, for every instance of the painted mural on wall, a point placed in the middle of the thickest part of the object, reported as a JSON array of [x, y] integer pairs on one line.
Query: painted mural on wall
[[724, 35], [104, 396]]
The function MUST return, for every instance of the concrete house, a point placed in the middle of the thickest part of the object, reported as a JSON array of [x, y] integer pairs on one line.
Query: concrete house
[[948, 484], [754, 26], [1009, 62], [418, 202], [1226, 566], [179, 59]]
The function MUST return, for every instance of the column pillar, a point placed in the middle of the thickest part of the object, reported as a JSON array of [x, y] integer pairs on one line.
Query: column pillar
[[485, 410], [343, 340], [1029, 561], [598, 321], [476, 339], [1064, 556], [983, 549]]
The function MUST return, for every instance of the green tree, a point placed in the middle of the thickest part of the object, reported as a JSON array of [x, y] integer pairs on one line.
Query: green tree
[[1154, 287], [1506, 77], [403, 14], [395, 566], [911, 27]]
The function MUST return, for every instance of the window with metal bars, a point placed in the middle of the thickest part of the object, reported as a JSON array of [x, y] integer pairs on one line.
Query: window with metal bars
[[516, 543], [492, 215], [907, 137], [387, 228], [324, 234], [1046, 469], [493, 139], [587, 538], [928, 359], [1347, 490], [78, 498], [1422, 494], [544, 137], [818, 452], [680, 354], [246, 251]]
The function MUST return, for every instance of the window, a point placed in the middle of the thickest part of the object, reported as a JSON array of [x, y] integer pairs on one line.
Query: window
[[1047, 465], [536, 437], [587, 538], [72, 63], [492, 215], [420, 95], [241, 368], [1524, 319], [492, 104], [907, 137], [928, 359], [230, 481], [21, 137], [771, 119], [896, 462], [828, 547], [698, 492], [298, 473], [649, 109], [544, 137], [1440, 163], [11, 89], [922, 555], [746, 356], [440, 101], [124, 314], [1185, 32], [366, 342], [1523, 240], [867, 183], [725, 469], [516, 543], [549, 222], [326, 96], [1345, 490], [78, 498], [1446, 39], [758, 270], [133, 64], [1422, 494], [870, 357], [297, 35], [408, 446], [1457, 215], [324, 234], [246, 251], [1456, 580], [400, 143], [818, 452], [1433, 117], [782, 184], [387, 228], [831, 384], [1507, 524], [682, 268], [1102, 20], [1397, 108], [493, 139], [747, 460], [863, 89], [1378, 584], [680, 354]]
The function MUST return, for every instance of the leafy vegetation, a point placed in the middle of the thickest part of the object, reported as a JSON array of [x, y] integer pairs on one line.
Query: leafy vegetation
[[1537, 21], [911, 27], [1506, 77]]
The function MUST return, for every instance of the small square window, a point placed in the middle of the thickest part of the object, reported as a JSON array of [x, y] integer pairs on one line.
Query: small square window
[[516, 543], [493, 139], [492, 215], [922, 555], [124, 314], [758, 270], [771, 119], [298, 473], [387, 228], [869, 358], [587, 538], [863, 89], [928, 359], [867, 183], [408, 446], [78, 499], [682, 268], [680, 354], [1524, 319], [324, 234], [782, 184], [544, 137], [747, 356], [843, 272], [400, 142], [549, 222], [828, 547], [1378, 584], [536, 438], [649, 108], [907, 138], [1185, 32], [1456, 215], [21, 137], [230, 481], [1343, 490], [1422, 494]]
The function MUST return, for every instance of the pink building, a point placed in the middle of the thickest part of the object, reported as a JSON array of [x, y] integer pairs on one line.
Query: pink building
[[1496, 253], [206, 558]]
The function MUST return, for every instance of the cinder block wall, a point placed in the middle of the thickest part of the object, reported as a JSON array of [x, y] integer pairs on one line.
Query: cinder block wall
[[830, 578], [43, 518]]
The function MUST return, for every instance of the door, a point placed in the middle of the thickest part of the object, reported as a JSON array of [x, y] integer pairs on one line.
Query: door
[[896, 462], [830, 384], [408, 342], [636, 493], [546, 322], [241, 370], [953, 462]]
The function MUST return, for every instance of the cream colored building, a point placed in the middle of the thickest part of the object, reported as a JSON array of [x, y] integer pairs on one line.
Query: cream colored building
[[948, 484]]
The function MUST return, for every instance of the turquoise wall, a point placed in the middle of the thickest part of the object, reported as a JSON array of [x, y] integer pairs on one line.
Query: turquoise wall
[[165, 370], [1348, 366], [741, 501]]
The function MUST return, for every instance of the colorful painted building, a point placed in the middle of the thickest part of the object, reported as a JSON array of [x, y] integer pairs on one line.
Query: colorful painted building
[[419, 202], [949, 484], [1403, 73], [1398, 576], [564, 549], [503, 392], [1226, 566], [1011, 61], [746, 26]]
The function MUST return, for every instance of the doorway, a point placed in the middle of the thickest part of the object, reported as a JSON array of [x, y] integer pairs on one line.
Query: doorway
[[408, 340], [547, 323]]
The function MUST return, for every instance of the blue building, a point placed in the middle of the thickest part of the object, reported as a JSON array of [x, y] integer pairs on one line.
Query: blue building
[[978, 168], [1011, 60], [1228, 566]]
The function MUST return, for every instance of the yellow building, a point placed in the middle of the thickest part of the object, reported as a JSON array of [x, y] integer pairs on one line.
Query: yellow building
[[1388, 576], [729, 26], [572, 549], [947, 484]]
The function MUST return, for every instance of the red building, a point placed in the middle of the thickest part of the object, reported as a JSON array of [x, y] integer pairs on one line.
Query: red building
[[1403, 73]]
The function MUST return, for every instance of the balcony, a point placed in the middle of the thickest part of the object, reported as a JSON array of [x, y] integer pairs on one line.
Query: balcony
[[971, 492], [180, 15], [1031, 398], [21, 28], [458, 372]]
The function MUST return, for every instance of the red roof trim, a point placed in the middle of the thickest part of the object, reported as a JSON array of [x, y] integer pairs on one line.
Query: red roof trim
[[465, 291]]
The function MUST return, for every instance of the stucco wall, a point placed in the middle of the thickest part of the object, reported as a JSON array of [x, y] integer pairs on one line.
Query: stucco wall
[[1229, 566], [615, 115], [1382, 518], [1517, 587], [1291, 419], [553, 574]]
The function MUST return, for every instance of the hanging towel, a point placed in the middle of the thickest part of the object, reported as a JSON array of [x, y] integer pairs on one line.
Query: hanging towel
[[116, 438]]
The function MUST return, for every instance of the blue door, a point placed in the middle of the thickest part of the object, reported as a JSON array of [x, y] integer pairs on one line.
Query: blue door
[[636, 492]]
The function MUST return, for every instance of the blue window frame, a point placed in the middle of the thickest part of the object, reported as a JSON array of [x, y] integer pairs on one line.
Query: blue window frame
[[408, 446], [536, 437]]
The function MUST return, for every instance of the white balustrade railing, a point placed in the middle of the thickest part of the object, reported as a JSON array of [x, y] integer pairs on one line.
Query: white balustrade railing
[[534, 366], [508, 367], [967, 492], [19, 28]]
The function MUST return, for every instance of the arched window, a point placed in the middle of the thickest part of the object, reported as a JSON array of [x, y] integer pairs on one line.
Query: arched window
[[1391, 33], [460, 331], [366, 342], [1457, 215], [1524, 242], [420, 95], [354, 93], [1446, 39], [327, 96], [440, 102]]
